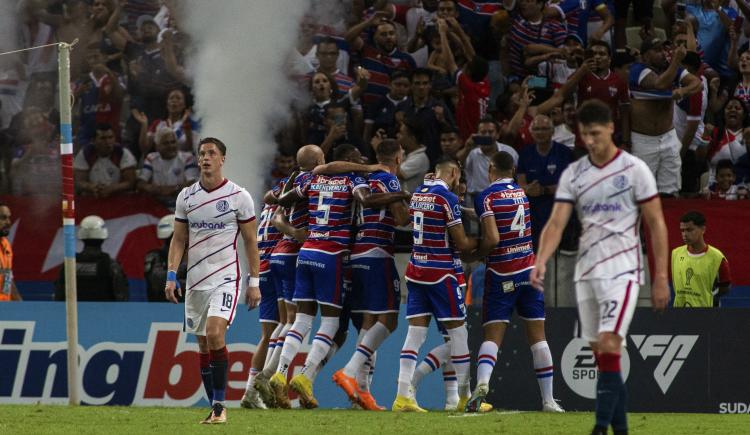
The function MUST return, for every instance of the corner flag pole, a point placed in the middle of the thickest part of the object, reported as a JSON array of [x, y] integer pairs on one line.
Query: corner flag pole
[[69, 220]]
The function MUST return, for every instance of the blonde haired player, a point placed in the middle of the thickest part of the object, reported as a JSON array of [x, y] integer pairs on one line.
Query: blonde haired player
[[610, 190], [209, 216]]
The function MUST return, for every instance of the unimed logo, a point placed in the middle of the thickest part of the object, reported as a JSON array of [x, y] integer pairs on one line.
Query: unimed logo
[[673, 351], [579, 367]]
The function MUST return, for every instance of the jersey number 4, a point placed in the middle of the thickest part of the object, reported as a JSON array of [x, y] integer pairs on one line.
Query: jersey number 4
[[519, 223]]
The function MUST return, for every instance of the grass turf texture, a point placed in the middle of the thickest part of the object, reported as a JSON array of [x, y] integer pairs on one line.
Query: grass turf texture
[[20, 419]]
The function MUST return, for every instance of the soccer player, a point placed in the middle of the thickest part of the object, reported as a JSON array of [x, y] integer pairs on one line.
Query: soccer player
[[430, 278], [208, 217], [293, 223], [271, 307], [375, 281], [504, 212], [319, 280], [610, 190]]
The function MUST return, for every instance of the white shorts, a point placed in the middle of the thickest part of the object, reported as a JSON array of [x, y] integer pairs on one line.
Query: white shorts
[[662, 155], [605, 305], [202, 304]]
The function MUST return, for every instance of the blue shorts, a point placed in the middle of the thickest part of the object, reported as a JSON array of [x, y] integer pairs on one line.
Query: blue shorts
[[442, 299], [504, 293], [268, 308], [375, 285], [320, 278], [283, 272]]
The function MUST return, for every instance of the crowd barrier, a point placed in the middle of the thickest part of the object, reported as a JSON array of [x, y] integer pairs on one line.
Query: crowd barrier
[[136, 354]]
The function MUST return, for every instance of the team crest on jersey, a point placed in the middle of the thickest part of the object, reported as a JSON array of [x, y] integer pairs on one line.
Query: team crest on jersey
[[222, 205], [612, 91], [620, 182], [551, 168], [393, 184]]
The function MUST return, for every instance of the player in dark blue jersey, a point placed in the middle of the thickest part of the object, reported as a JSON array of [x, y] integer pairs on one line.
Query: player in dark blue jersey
[[503, 209], [433, 288]]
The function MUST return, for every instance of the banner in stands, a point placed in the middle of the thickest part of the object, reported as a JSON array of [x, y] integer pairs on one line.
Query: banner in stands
[[36, 233], [691, 360]]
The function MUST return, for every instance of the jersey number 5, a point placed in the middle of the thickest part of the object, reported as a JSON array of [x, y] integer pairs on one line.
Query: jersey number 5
[[519, 223], [323, 208]]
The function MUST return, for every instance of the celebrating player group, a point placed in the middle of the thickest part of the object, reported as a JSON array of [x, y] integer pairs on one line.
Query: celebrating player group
[[324, 242]]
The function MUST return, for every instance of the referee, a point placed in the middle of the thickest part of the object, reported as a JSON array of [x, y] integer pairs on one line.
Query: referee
[[700, 273]]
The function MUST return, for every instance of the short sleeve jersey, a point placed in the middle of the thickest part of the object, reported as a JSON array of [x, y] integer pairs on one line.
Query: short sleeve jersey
[[268, 235], [179, 170], [213, 218], [638, 72], [376, 227], [607, 200], [298, 217], [433, 210], [508, 205], [330, 207]]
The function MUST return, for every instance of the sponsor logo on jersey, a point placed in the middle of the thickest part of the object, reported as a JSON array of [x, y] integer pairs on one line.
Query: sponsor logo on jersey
[[672, 350], [203, 225], [579, 370], [420, 257], [601, 207], [318, 234], [515, 193]]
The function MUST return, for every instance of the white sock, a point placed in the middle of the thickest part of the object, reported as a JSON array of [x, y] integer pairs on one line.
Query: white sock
[[544, 369], [321, 344], [367, 381], [460, 357], [486, 361], [331, 352], [450, 382], [371, 340], [295, 335], [251, 379], [415, 336], [434, 359], [272, 343], [273, 363]]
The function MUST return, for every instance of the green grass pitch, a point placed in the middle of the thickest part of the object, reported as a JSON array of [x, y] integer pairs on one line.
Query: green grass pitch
[[42, 419]]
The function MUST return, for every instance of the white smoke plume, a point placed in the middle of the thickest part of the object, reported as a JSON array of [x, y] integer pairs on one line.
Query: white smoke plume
[[242, 93], [8, 29]]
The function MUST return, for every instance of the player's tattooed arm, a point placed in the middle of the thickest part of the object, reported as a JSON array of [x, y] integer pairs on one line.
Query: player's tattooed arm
[[339, 167], [288, 199], [270, 198], [281, 222]]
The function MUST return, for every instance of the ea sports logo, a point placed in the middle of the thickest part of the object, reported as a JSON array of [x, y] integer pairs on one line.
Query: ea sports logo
[[578, 367]]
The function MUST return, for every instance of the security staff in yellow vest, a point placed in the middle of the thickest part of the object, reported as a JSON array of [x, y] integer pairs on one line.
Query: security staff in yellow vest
[[700, 273], [8, 290]]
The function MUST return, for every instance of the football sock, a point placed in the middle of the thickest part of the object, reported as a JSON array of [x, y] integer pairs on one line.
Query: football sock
[[450, 382], [486, 361], [314, 373], [219, 373], [620, 416], [205, 359], [298, 331], [434, 359], [371, 340], [364, 376], [321, 343], [415, 336], [608, 387], [251, 379], [272, 342], [273, 363], [544, 369], [460, 357]]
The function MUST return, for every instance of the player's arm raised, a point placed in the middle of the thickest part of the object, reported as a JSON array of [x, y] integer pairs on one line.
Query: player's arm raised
[[176, 250], [340, 167], [249, 232], [289, 195], [281, 222], [550, 238], [657, 229]]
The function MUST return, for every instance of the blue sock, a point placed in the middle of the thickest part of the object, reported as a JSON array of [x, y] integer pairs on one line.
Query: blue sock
[[608, 388], [219, 374], [620, 417]]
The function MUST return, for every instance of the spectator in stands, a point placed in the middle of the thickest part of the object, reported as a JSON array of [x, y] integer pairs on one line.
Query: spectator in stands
[[531, 27], [338, 129], [726, 141], [99, 277], [179, 119], [452, 146], [99, 96], [36, 164], [416, 163], [8, 291], [381, 115], [483, 145], [104, 168], [283, 165], [327, 54], [714, 22], [643, 14], [562, 134], [742, 166], [539, 169], [380, 58], [700, 272], [41, 95], [155, 264], [167, 171], [654, 84], [430, 113], [724, 187], [688, 122], [324, 91], [591, 20]]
